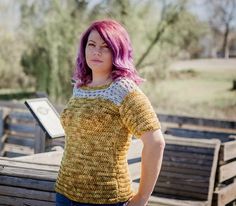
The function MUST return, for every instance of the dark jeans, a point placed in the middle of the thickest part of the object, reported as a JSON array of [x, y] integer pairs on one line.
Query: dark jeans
[[61, 200]]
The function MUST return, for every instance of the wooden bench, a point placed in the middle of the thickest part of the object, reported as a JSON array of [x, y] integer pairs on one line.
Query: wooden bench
[[195, 128], [187, 174], [30, 184], [20, 135]]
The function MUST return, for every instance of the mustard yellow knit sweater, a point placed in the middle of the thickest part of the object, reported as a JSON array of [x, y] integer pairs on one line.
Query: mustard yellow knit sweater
[[99, 123]]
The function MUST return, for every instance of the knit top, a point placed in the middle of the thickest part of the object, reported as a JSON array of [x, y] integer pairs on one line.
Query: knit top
[[99, 123]]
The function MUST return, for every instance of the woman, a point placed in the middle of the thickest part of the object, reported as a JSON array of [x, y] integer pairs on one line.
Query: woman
[[107, 108]]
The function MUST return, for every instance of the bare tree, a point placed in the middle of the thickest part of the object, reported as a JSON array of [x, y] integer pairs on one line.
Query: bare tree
[[169, 16], [221, 18]]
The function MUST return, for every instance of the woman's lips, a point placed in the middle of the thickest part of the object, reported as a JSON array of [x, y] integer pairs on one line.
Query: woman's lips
[[96, 61]]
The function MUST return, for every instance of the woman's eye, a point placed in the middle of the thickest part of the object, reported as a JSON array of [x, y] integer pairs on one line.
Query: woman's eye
[[91, 44], [106, 48]]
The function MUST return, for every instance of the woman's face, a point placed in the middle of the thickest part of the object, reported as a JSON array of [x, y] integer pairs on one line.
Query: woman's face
[[97, 53]]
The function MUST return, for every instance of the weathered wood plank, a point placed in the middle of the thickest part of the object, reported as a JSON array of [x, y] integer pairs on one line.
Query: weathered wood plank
[[184, 156], [26, 128], [185, 177], [175, 168], [20, 141], [27, 193], [13, 154], [27, 165], [224, 137], [161, 201], [27, 183], [197, 121], [28, 173], [213, 172], [14, 134], [228, 151], [227, 171], [200, 189], [225, 195], [50, 158], [166, 125], [168, 163], [16, 201], [17, 149], [22, 116], [190, 149], [167, 180], [188, 194], [204, 143], [1, 131]]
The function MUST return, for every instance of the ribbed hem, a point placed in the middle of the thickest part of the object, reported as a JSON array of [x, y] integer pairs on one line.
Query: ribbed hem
[[94, 201]]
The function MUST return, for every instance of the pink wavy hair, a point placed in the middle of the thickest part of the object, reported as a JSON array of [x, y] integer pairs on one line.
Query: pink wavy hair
[[117, 39]]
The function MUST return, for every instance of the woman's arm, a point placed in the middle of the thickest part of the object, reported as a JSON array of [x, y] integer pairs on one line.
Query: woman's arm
[[152, 153]]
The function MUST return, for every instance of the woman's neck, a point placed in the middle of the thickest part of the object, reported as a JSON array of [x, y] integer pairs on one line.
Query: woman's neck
[[100, 80]]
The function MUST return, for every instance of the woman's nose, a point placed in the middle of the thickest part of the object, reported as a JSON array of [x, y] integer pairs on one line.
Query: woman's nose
[[97, 51]]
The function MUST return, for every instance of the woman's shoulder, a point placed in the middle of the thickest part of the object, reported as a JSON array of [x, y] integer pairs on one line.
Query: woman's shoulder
[[122, 88], [125, 84]]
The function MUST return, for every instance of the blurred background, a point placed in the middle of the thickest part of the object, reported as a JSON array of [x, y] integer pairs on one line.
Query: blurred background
[[185, 49]]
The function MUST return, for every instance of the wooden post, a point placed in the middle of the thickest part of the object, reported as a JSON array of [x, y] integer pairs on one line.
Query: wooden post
[[1, 129], [40, 139], [234, 85], [3, 115]]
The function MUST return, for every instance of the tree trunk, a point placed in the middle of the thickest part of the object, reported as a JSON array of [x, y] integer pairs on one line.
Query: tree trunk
[[225, 42]]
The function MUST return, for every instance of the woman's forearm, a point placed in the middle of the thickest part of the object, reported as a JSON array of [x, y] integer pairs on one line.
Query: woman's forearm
[[152, 155]]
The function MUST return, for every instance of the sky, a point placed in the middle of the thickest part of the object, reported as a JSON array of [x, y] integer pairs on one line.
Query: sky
[[9, 14], [10, 11]]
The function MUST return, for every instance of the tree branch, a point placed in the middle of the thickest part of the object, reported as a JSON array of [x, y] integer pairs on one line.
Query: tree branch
[[171, 19]]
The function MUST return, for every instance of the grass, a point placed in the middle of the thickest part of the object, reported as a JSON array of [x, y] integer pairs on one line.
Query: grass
[[195, 92], [16, 94]]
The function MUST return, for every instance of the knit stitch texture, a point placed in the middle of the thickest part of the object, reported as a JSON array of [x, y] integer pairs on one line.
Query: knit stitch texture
[[99, 123]]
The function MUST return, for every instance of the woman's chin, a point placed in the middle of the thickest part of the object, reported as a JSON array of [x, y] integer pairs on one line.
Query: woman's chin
[[96, 68]]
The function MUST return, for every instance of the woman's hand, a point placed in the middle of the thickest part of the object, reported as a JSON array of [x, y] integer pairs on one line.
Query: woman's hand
[[137, 200]]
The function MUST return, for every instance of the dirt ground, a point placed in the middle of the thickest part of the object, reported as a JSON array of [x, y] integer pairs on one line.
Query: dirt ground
[[203, 64]]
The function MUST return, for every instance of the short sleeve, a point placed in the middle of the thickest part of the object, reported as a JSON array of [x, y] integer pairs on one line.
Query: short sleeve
[[137, 114]]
